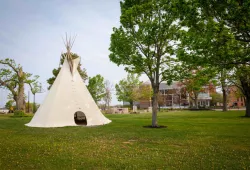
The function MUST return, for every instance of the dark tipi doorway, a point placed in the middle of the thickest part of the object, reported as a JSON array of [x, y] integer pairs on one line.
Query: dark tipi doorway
[[80, 118]]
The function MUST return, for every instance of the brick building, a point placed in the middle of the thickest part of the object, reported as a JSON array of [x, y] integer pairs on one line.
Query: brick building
[[175, 96], [235, 97]]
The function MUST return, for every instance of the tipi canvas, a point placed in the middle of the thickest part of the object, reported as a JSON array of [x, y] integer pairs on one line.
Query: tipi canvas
[[67, 99]]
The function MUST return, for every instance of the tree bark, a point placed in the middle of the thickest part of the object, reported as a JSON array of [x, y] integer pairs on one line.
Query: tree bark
[[224, 99], [155, 109], [20, 103], [247, 107], [196, 102], [131, 104], [223, 86], [246, 91], [34, 103]]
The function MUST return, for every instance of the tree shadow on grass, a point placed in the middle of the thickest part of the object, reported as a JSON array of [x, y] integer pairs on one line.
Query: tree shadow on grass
[[244, 117], [155, 127]]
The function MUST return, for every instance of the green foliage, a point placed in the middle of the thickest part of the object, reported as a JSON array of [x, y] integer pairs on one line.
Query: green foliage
[[233, 14], [13, 78], [145, 42], [19, 113], [126, 89], [55, 72], [242, 73], [31, 107], [195, 80], [9, 104], [142, 43], [210, 37], [35, 88], [217, 35], [216, 98], [193, 140], [145, 92], [96, 87]]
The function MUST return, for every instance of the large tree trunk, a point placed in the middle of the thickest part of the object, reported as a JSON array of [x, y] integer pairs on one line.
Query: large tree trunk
[[246, 91], [196, 102], [247, 107], [34, 103], [224, 99], [131, 104], [155, 105], [20, 102], [223, 86]]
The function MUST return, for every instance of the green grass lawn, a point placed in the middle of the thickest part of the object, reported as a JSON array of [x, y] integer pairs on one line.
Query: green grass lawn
[[192, 140]]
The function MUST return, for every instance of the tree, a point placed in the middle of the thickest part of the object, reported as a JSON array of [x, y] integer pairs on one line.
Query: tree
[[30, 107], [127, 89], [145, 41], [160, 100], [180, 91], [233, 14], [36, 88], [196, 82], [9, 104], [243, 72], [220, 33], [225, 79], [14, 78], [108, 94], [216, 98], [145, 92], [209, 42], [82, 71], [96, 87]]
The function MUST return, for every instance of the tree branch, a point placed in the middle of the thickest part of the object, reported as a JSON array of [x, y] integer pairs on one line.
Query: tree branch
[[9, 64], [3, 83]]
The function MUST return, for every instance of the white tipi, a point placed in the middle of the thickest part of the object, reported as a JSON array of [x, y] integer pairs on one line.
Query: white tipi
[[68, 102]]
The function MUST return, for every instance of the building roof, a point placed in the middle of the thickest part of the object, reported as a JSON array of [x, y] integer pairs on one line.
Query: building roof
[[164, 85]]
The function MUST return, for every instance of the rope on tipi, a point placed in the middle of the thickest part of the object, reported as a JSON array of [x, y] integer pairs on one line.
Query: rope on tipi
[[69, 42]]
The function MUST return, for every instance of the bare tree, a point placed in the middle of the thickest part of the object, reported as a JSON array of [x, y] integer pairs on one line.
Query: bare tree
[[108, 94]]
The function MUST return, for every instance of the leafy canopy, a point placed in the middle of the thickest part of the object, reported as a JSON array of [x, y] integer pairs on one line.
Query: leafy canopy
[[96, 87], [146, 39], [13, 78], [126, 89]]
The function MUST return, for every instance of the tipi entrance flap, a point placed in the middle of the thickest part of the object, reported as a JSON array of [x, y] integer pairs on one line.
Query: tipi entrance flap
[[80, 118]]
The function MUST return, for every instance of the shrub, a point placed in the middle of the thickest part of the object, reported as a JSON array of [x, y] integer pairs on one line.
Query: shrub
[[19, 113]]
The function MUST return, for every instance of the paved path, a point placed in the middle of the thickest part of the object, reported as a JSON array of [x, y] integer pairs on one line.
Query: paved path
[[231, 109]]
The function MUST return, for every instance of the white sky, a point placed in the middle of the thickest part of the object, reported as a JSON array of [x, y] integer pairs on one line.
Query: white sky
[[31, 32]]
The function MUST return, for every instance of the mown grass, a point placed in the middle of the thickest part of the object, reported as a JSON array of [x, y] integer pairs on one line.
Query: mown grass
[[192, 140]]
